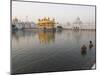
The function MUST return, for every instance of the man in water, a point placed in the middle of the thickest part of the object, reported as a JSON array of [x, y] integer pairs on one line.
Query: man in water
[[90, 45]]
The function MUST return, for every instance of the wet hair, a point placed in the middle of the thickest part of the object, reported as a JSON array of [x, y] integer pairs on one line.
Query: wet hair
[[90, 41]]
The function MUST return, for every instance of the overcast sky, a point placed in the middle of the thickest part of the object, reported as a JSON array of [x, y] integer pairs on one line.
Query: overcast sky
[[62, 13]]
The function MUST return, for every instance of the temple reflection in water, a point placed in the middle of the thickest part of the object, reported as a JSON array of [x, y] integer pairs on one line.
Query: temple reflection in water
[[46, 37]]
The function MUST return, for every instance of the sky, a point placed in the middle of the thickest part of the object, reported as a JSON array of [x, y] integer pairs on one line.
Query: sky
[[63, 13]]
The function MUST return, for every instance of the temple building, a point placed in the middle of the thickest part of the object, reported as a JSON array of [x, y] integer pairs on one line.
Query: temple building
[[77, 24], [22, 24], [46, 23]]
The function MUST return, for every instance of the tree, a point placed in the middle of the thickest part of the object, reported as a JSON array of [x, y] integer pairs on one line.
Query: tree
[[59, 27]]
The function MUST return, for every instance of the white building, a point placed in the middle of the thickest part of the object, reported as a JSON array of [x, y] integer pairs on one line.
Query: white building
[[77, 24], [23, 25]]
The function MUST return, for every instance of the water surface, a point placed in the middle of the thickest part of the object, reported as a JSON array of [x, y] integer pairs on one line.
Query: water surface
[[34, 51]]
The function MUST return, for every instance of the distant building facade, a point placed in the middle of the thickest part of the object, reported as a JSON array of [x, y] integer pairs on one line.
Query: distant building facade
[[79, 25], [22, 25]]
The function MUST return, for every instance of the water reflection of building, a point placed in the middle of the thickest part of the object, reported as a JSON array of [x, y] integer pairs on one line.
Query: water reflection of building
[[18, 35], [46, 23], [46, 37]]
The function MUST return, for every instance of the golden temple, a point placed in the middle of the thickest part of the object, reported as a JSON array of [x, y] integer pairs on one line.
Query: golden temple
[[46, 23]]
